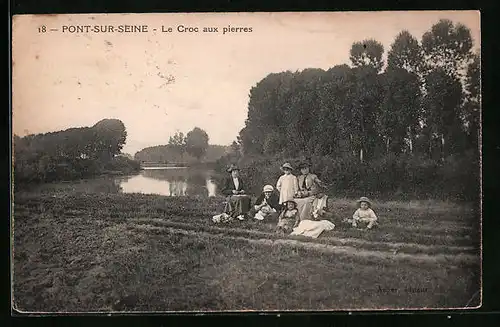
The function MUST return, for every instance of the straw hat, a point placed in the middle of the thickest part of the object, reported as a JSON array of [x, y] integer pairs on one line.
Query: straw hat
[[268, 188], [287, 166], [364, 199], [232, 167]]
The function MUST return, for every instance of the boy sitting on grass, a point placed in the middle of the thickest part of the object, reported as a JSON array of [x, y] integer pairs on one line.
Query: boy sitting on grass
[[364, 215]]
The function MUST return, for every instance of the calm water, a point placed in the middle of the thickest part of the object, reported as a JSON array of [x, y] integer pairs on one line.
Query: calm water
[[169, 182]]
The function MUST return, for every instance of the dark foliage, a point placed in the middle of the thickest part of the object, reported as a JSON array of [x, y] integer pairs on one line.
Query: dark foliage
[[71, 154]]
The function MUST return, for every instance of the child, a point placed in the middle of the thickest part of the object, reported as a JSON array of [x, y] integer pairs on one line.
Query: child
[[287, 184], [266, 205], [288, 219], [364, 215]]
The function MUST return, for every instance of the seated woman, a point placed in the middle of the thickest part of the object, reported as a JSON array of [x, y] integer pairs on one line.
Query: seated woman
[[267, 204], [320, 207], [238, 201], [318, 222], [309, 185]]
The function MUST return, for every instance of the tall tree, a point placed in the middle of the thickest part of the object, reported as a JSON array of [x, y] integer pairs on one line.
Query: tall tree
[[442, 103], [472, 105], [366, 57], [334, 116], [367, 53], [405, 53], [448, 46], [109, 137], [303, 108], [366, 103], [400, 110], [448, 51], [178, 143], [268, 103], [197, 142]]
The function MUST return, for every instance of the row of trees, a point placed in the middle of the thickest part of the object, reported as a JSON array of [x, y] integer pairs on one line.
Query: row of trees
[[168, 154], [194, 143], [425, 101], [190, 148], [417, 114], [71, 153]]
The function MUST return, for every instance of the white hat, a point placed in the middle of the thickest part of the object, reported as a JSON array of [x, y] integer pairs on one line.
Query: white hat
[[268, 188]]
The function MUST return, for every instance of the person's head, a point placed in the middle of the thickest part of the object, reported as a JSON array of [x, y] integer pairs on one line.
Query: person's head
[[304, 168], [364, 203], [290, 205], [234, 171], [287, 168], [268, 190]]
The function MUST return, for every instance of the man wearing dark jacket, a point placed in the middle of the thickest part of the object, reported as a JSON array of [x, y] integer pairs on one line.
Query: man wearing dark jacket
[[238, 201]]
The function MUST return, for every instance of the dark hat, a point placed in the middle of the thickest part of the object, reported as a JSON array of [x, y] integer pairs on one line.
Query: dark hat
[[232, 167], [304, 164], [293, 201]]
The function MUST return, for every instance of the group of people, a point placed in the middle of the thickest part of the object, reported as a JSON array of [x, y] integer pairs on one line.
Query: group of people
[[300, 203]]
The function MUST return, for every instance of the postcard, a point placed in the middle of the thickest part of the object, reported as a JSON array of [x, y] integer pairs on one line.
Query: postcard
[[246, 162]]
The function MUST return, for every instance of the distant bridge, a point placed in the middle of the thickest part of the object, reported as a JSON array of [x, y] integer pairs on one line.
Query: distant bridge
[[162, 164]]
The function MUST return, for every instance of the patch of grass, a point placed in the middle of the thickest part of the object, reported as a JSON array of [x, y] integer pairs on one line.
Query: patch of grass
[[162, 271], [75, 250]]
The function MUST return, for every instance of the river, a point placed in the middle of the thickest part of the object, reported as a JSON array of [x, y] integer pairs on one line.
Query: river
[[170, 181]]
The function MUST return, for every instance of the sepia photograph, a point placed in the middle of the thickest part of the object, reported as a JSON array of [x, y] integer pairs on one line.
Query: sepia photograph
[[246, 162]]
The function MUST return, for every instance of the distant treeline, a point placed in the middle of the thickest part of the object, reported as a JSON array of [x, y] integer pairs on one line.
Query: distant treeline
[[171, 154], [71, 154], [406, 127]]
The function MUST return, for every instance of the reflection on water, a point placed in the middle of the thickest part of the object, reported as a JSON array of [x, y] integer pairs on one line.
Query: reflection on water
[[170, 182]]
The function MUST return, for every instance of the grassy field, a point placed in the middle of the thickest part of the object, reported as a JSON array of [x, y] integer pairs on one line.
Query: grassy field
[[76, 250]]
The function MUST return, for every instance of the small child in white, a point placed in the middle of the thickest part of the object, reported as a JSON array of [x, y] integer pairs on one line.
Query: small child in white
[[364, 214], [287, 184]]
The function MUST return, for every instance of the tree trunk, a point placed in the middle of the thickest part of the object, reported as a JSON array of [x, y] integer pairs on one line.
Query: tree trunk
[[387, 146], [361, 155], [410, 137], [442, 147], [430, 145]]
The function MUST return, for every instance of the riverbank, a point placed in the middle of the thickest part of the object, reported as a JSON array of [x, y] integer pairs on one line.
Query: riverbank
[[76, 250]]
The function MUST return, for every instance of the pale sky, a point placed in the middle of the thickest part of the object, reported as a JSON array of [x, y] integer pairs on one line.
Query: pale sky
[[63, 80]]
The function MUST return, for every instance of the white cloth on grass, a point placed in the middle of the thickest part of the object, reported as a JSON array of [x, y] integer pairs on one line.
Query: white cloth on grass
[[312, 228]]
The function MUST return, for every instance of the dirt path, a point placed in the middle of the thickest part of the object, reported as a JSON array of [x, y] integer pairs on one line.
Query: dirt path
[[268, 239], [331, 240]]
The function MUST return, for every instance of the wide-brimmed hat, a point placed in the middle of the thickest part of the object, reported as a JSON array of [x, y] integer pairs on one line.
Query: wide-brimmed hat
[[232, 167], [365, 199], [268, 188], [286, 165], [304, 164]]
